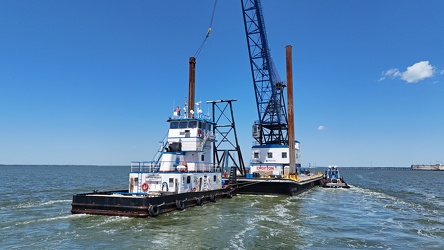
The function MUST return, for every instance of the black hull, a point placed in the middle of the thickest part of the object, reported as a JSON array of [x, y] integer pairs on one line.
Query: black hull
[[260, 186], [115, 204]]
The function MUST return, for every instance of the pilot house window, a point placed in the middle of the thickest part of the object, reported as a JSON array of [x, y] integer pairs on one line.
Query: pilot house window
[[269, 155]]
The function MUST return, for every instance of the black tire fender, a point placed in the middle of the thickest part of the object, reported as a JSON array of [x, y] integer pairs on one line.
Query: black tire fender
[[199, 201], [180, 204], [153, 210]]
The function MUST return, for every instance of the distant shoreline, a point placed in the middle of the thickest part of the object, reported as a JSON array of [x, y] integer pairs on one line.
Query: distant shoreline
[[93, 165], [60, 165]]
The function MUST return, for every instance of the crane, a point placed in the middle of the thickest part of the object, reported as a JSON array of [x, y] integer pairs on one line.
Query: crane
[[272, 125], [276, 151]]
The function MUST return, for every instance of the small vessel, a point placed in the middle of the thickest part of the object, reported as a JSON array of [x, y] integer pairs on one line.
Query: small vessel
[[332, 179], [436, 167], [182, 174]]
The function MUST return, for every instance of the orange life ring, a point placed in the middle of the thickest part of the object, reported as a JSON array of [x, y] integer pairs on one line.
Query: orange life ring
[[145, 186]]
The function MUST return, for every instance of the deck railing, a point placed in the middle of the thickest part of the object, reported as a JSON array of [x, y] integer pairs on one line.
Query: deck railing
[[151, 167]]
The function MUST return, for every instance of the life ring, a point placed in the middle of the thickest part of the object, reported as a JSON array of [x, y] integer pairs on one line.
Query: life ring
[[185, 165], [213, 197], [180, 204], [193, 189], [199, 201], [145, 186], [153, 210]]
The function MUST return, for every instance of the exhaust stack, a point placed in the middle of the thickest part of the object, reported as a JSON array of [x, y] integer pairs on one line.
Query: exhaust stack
[[191, 84]]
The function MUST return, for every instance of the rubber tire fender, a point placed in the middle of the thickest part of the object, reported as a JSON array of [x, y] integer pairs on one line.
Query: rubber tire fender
[[180, 204], [199, 201], [153, 210], [213, 197]]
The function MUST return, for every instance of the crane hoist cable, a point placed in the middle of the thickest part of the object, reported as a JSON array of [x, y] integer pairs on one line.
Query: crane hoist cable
[[208, 31]]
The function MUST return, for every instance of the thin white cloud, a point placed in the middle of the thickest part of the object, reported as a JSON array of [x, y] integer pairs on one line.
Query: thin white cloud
[[415, 73], [392, 73], [320, 128]]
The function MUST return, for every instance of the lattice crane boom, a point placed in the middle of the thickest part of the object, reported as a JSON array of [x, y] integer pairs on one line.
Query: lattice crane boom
[[272, 124]]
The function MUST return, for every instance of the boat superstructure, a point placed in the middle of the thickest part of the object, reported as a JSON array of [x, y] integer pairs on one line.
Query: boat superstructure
[[184, 162]]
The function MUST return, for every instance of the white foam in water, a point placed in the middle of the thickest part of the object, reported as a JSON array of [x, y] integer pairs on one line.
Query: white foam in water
[[33, 204]]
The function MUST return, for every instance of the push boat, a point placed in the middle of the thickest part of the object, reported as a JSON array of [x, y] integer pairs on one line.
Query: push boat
[[332, 179], [182, 174]]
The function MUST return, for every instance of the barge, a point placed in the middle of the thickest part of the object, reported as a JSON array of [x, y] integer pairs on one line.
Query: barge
[[270, 174]]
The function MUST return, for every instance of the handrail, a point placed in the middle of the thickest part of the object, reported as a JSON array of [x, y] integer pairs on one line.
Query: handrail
[[151, 167]]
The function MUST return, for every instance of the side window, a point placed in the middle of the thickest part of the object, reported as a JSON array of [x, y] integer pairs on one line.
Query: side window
[[174, 125], [269, 155], [214, 178], [284, 154], [256, 155], [192, 124], [202, 157], [188, 179]]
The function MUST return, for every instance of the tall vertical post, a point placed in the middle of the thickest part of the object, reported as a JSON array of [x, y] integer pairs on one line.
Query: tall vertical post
[[191, 84], [291, 137]]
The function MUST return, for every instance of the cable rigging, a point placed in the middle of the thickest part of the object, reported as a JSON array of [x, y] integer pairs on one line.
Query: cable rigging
[[208, 31]]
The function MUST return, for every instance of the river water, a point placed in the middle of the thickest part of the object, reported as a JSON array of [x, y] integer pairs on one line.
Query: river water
[[384, 209]]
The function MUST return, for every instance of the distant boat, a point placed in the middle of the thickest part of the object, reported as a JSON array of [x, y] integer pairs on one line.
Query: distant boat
[[436, 167], [332, 179]]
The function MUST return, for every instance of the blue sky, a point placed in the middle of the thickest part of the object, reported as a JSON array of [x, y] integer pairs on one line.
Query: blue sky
[[93, 82]]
